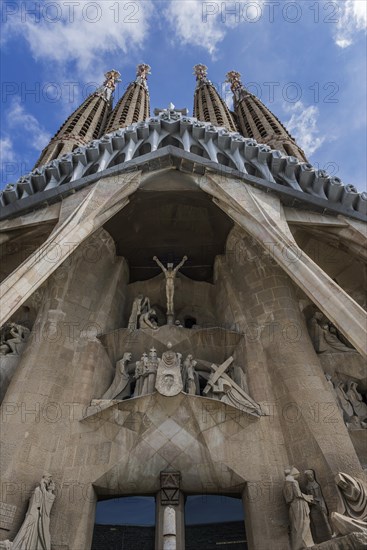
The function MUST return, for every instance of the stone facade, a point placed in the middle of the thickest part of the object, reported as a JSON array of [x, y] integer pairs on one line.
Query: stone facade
[[221, 389]]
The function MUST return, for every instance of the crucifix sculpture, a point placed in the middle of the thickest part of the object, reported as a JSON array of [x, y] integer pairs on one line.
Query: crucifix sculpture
[[170, 274]]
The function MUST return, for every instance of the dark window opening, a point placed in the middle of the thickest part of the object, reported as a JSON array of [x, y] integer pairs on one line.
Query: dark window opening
[[214, 521], [127, 522]]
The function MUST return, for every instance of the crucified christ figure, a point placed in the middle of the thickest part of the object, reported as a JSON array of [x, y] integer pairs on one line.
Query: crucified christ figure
[[170, 274]]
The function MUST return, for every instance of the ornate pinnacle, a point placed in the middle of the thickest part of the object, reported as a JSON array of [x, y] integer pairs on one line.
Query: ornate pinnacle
[[201, 73], [234, 78], [112, 78], [142, 72]]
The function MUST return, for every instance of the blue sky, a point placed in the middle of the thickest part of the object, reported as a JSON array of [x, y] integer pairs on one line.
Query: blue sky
[[305, 59]]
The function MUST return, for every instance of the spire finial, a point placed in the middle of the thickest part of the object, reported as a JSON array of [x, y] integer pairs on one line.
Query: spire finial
[[142, 72], [201, 73], [112, 78], [234, 79]]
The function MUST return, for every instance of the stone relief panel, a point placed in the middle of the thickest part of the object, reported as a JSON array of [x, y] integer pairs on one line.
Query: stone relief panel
[[172, 373], [351, 402], [325, 336]]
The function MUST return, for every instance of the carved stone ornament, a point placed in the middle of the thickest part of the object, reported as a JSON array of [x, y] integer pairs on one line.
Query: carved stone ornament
[[170, 488], [169, 380], [241, 153]]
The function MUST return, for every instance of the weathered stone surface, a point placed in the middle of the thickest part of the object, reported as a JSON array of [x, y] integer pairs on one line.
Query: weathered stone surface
[[54, 420], [355, 541]]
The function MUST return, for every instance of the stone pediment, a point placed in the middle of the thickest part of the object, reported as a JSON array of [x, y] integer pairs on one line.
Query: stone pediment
[[187, 136]]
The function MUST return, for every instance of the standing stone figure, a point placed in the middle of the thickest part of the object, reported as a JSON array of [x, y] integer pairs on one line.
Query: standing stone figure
[[34, 534], [320, 527], [170, 273], [121, 380], [189, 375], [299, 511], [140, 368], [141, 305], [150, 372]]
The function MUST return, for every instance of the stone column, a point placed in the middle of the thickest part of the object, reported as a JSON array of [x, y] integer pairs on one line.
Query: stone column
[[170, 505]]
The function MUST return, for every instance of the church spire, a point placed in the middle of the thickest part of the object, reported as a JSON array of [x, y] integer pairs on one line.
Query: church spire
[[208, 105], [256, 121], [87, 122], [134, 106]]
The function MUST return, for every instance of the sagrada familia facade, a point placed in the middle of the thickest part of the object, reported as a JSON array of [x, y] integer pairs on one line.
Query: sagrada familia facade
[[183, 313]]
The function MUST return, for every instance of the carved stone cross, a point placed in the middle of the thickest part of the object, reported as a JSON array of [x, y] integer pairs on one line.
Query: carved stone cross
[[219, 372]]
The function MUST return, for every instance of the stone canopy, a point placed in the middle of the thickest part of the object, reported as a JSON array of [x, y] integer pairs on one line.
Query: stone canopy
[[198, 143]]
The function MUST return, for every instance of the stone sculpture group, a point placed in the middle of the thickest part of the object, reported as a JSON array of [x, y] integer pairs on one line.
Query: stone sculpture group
[[170, 374], [350, 402], [308, 515]]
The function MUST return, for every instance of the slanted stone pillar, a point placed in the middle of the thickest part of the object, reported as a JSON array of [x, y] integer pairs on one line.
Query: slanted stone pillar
[[261, 215], [106, 198], [170, 524]]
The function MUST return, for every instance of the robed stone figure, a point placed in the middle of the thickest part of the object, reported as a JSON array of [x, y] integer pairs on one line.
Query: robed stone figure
[[353, 519], [121, 380], [320, 527], [34, 534], [299, 511]]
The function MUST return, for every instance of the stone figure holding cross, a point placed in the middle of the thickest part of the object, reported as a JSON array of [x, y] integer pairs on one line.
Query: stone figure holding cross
[[221, 387]]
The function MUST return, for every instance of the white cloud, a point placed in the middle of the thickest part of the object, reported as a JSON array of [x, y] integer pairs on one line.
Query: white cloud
[[351, 18], [205, 24], [186, 20], [303, 126], [83, 33], [6, 150], [19, 121]]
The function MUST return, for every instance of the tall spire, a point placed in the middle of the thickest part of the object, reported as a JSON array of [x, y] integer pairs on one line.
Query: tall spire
[[208, 105], [134, 106], [256, 121], [87, 122]]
